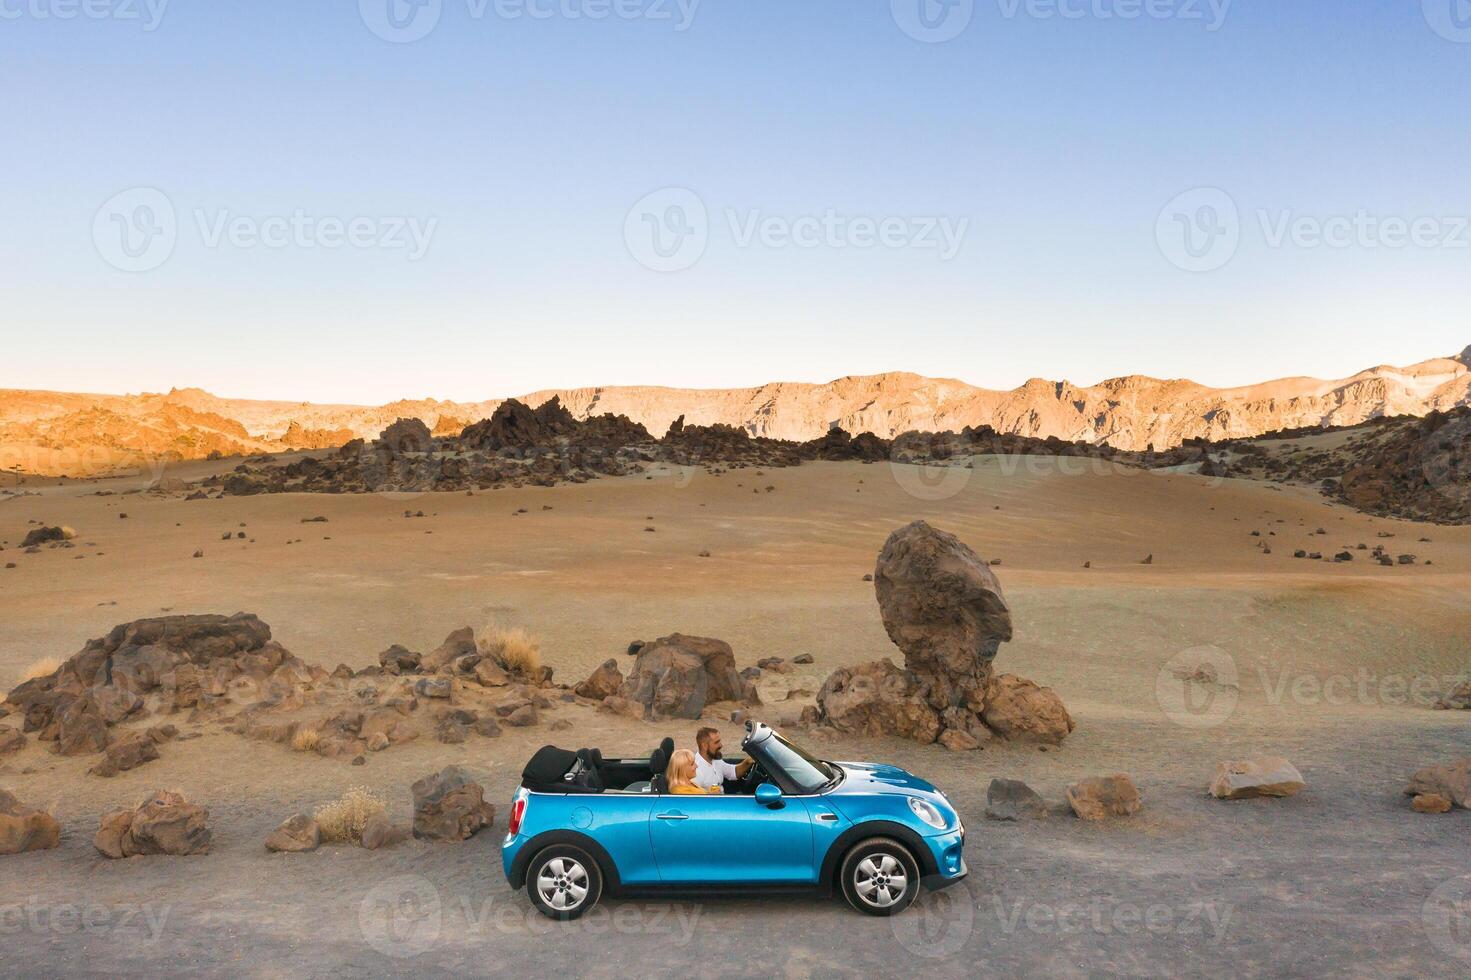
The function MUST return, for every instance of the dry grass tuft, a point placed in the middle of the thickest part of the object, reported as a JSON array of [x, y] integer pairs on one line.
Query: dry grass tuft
[[306, 739], [40, 668], [515, 650], [343, 819]]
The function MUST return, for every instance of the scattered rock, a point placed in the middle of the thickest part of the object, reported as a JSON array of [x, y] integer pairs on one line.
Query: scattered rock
[[1452, 781], [957, 740], [47, 535], [380, 832], [1430, 803], [1459, 699], [24, 828], [622, 706], [125, 754], [434, 687], [458, 644], [1101, 797], [165, 823], [523, 717], [11, 739], [802, 658], [449, 806], [603, 682], [1012, 799], [298, 834], [1266, 776]]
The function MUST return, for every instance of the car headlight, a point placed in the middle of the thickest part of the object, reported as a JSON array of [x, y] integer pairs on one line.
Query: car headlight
[[927, 812]]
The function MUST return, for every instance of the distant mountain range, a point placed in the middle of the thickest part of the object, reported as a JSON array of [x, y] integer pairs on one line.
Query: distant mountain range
[[54, 433]]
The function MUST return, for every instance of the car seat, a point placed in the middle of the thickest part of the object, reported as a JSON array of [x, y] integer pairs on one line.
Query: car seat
[[659, 762], [589, 773]]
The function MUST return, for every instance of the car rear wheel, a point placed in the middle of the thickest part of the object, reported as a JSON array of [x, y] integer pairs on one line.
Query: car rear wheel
[[564, 882], [880, 876]]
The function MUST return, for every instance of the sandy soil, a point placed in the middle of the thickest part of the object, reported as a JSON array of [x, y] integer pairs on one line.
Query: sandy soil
[[1342, 878]]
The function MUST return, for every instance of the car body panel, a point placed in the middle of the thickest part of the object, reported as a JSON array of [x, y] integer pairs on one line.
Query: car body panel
[[732, 839]]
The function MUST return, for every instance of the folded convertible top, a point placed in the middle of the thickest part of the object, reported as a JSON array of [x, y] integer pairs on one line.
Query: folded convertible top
[[548, 766]]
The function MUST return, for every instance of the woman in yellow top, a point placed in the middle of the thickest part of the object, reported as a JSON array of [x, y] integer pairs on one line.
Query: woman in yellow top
[[681, 775]]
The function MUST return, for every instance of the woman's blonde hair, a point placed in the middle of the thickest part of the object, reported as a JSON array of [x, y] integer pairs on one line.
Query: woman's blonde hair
[[681, 771]]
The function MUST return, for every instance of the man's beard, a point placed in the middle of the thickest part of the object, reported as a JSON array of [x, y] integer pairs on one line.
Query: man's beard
[[716, 754]]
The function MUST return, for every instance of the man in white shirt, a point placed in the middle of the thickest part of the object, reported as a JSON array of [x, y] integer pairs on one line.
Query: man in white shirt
[[711, 771]]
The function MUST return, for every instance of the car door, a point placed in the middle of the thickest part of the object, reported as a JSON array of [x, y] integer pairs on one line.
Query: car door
[[731, 840]]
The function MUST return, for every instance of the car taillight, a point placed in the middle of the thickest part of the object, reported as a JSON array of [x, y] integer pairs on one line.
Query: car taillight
[[518, 811]]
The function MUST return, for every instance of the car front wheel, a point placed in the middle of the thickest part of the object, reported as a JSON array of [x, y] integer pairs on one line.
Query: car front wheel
[[880, 876], [564, 882]]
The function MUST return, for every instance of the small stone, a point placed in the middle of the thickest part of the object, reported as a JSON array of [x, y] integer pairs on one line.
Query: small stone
[[1012, 799], [1101, 797], [297, 835], [1431, 803]]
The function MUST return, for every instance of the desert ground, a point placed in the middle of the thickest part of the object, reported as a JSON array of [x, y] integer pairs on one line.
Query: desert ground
[[1335, 664]]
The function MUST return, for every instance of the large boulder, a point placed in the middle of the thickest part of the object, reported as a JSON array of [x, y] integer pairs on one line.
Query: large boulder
[[940, 602], [603, 682], [1249, 778], [879, 699], [676, 675], [165, 823], [1452, 781], [942, 606], [24, 828], [407, 436], [450, 806], [1019, 710]]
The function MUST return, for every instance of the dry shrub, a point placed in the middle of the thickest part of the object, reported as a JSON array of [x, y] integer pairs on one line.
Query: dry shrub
[[44, 667], [306, 739], [343, 819], [515, 650]]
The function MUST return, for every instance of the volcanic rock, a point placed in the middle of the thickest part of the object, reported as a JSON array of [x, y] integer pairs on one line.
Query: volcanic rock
[[298, 834], [676, 675], [1452, 781], [1100, 797], [24, 828], [1012, 799], [165, 823], [1267, 776], [450, 806], [603, 682]]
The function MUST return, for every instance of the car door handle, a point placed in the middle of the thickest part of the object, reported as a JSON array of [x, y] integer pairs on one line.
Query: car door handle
[[827, 816], [672, 815]]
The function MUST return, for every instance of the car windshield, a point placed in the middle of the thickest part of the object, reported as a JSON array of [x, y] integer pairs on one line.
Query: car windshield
[[806, 771]]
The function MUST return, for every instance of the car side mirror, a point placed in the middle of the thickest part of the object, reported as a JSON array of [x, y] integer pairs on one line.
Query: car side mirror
[[768, 795]]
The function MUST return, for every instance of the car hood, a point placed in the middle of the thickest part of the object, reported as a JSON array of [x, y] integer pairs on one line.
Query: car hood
[[876, 777]]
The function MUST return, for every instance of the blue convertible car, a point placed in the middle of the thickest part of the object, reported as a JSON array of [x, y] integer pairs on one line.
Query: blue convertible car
[[582, 825]]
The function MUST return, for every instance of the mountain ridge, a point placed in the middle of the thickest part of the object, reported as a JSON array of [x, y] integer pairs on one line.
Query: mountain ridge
[[70, 433]]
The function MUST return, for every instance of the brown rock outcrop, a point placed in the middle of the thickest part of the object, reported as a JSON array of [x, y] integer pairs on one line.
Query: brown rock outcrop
[[450, 806], [165, 823], [677, 675], [24, 828]]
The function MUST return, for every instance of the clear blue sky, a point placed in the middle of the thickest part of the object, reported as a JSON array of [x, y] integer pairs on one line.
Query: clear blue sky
[[1058, 140]]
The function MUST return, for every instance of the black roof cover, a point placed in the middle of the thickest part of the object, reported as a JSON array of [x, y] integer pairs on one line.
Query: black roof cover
[[548, 766]]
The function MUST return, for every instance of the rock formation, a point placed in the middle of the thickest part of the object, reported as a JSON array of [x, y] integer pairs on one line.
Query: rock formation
[[25, 828], [1101, 797], [165, 823], [450, 806], [1267, 776], [943, 607], [677, 675], [1452, 782]]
